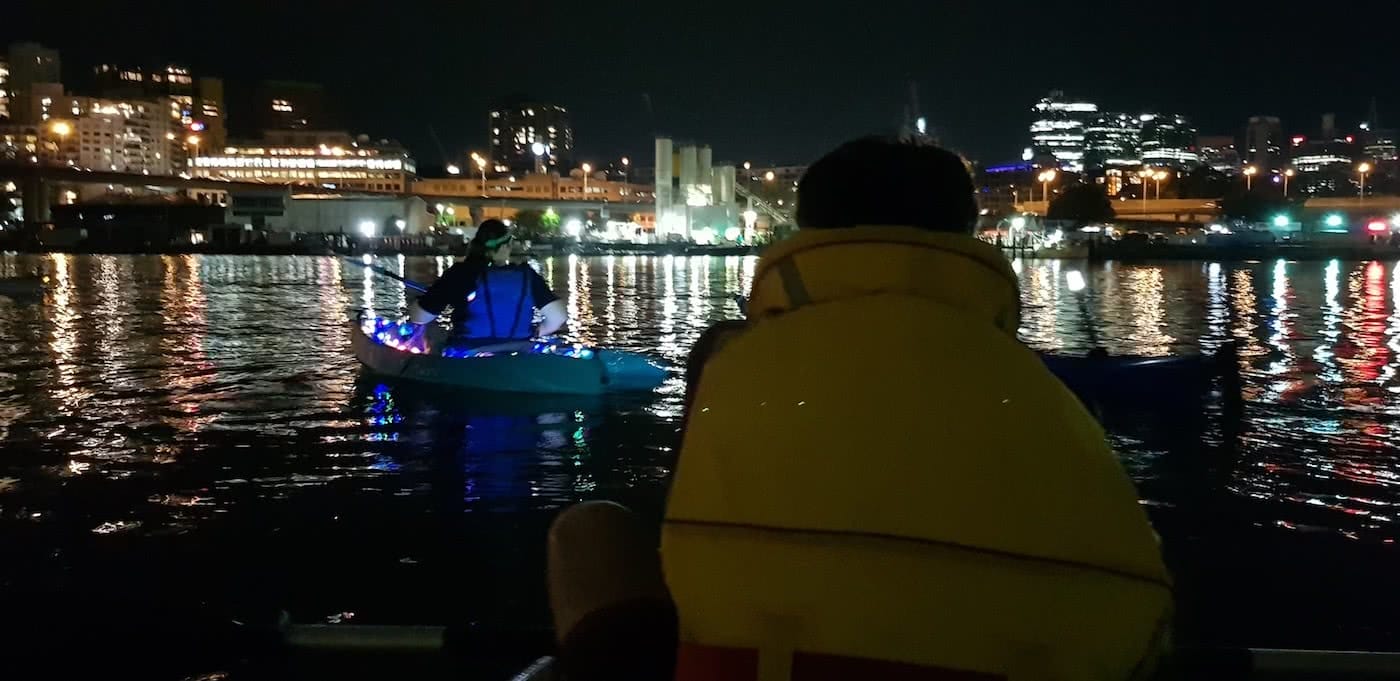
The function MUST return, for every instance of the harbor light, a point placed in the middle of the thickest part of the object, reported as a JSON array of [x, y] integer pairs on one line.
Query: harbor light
[[401, 224], [574, 228], [1333, 220], [367, 228], [1281, 221]]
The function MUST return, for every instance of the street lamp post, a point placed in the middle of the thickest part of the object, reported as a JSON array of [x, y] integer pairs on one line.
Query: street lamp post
[[480, 162], [1045, 179], [1145, 174], [626, 175], [1287, 174], [1249, 173], [1363, 169], [194, 142], [586, 170], [1159, 176]]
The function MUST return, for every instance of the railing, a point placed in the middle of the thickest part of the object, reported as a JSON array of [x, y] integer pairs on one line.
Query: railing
[[779, 216]]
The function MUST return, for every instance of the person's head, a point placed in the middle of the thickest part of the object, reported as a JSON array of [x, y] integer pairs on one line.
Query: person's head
[[491, 243], [887, 181]]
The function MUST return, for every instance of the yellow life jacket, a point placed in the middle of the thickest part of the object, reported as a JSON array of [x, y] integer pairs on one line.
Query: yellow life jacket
[[877, 469]]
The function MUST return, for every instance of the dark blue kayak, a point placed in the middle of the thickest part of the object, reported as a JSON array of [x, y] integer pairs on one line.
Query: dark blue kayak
[[1181, 382]]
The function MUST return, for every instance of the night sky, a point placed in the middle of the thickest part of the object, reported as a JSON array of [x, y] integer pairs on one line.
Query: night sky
[[763, 81]]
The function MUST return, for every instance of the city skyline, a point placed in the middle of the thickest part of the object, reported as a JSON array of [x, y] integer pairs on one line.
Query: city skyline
[[774, 84]]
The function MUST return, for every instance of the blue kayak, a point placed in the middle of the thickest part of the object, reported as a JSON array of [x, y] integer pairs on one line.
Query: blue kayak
[[540, 367]]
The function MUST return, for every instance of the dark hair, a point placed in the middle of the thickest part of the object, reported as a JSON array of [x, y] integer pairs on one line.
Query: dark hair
[[488, 237], [887, 181]]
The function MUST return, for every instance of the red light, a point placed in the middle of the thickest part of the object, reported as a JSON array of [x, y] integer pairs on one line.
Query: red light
[[1377, 226], [1298, 140], [1350, 139]]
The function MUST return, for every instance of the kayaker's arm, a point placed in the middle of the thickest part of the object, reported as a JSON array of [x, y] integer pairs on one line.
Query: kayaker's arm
[[555, 314]]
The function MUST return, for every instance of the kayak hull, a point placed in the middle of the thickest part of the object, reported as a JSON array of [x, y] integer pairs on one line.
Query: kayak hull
[[575, 373]]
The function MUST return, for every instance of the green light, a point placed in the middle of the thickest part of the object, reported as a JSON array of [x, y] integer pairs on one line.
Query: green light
[[1280, 220], [1334, 220]]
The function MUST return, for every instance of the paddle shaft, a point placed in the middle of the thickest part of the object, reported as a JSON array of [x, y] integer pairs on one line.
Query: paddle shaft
[[380, 270]]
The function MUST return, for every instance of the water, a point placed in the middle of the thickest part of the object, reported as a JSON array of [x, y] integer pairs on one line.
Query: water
[[192, 433]]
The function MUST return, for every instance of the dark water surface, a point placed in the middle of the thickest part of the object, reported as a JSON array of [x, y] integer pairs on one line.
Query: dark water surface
[[193, 432]]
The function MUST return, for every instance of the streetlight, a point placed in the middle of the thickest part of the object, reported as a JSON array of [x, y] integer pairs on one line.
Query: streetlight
[[626, 174], [539, 150], [1159, 176], [193, 141], [480, 162], [1287, 173], [1145, 174], [1363, 169], [1045, 179], [453, 169], [1249, 173], [586, 170]]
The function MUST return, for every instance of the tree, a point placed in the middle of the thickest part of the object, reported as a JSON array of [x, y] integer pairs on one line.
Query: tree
[[1082, 203], [537, 225], [1259, 205]]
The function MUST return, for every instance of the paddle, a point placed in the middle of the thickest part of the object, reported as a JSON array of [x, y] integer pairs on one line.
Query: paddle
[[380, 270]]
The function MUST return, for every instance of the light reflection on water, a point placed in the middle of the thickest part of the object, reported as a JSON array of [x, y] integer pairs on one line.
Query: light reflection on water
[[187, 392]]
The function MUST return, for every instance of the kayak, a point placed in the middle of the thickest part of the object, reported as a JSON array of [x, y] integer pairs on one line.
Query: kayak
[[538, 366], [1101, 380]]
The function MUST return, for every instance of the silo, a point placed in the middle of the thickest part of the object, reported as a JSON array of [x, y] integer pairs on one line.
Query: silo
[[723, 184], [689, 171], [664, 198], [704, 173]]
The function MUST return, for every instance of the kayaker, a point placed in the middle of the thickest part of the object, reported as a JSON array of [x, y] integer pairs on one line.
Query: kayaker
[[877, 479], [492, 300]]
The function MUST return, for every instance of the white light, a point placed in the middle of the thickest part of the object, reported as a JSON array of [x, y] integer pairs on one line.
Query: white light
[[440, 207], [921, 125], [538, 148], [367, 228], [1218, 229], [1091, 229], [506, 222], [1280, 220], [750, 217], [401, 224], [1075, 280], [1395, 220], [732, 234], [1334, 220], [573, 228], [453, 170], [1018, 222]]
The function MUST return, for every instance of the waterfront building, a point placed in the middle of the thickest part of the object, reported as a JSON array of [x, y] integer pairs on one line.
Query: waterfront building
[[1112, 140], [1168, 140], [331, 159], [291, 105], [1219, 153], [519, 128], [196, 105], [695, 199], [1263, 143], [1059, 129], [121, 135], [33, 75], [546, 186]]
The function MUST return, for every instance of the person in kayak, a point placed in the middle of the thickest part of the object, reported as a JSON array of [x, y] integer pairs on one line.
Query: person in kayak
[[492, 300]]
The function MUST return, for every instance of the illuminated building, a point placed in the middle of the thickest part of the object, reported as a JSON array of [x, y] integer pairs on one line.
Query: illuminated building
[[125, 136], [1168, 140], [1263, 142], [329, 159], [289, 105], [695, 200], [1219, 153], [4, 89], [1317, 154], [517, 126], [548, 186], [1059, 129], [1112, 140], [34, 75], [195, 105]]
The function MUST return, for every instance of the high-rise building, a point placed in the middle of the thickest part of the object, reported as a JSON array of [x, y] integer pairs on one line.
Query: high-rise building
[[1168, 140], [126, 136], [1059, 129], [1219, 152], [1263, 142], [1112, 140], [289, 105], [34, 75], [209, 114], [530, 136]]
